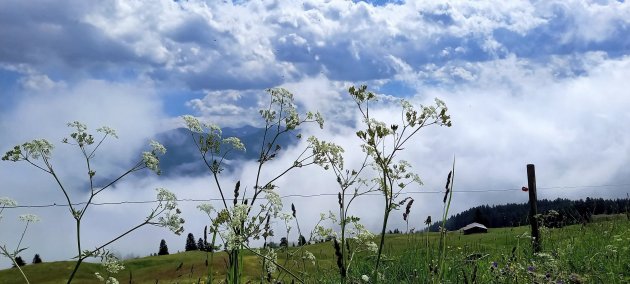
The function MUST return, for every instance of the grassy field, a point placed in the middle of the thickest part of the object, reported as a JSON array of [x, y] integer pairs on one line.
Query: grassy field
[[598, 252]]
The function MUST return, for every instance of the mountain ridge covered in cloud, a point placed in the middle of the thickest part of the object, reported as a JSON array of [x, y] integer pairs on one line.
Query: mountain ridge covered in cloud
[[183, 158]]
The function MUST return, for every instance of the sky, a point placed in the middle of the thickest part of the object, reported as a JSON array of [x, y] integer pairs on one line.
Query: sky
[[526, 82]]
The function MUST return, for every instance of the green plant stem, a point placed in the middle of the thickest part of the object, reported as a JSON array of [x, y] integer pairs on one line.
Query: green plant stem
[[22, 237], [442, 259], [80, 260], [381, 244], [210, 266], [388, 201], [12, 258]]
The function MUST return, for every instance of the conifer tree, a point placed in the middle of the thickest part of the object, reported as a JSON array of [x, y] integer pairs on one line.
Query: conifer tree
[[200, 245], [190, 242], [19, 261], [301, 240], [163, 248], [37, 259]]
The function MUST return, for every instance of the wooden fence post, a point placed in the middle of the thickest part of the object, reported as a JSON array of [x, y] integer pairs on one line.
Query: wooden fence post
[[533, 208]]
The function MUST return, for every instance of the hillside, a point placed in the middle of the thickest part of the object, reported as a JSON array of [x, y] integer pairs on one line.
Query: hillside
[[489, 257], [513, 214]]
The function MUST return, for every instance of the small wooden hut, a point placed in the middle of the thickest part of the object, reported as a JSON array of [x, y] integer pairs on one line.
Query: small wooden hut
[[474, 228]]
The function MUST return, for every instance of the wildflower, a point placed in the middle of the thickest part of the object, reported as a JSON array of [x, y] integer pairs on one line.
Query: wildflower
[[232, 240], [192, 123], [285, 216], [7, 202], [157, 147], [365, 278], [323, 232], [112, 265], [38, 148], [326, 153], [531, 268], [171, 221], [362, 233], [235, 143], [495, 264], [151, 161], [239, 214], [309, 256], [332, 216], [168, 197], [78, 125], [272, 256], [372, 247], [29, 218], [206, 207], [274, 200], [108, 131], [611, 248]]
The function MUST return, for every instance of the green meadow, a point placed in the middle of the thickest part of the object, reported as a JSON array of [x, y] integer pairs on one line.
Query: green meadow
[[597, 252]]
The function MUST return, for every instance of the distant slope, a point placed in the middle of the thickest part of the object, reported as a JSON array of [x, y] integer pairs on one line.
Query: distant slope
[[512, 214], [409, 255]]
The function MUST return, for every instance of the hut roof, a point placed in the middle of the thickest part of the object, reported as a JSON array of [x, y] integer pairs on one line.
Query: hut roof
[[473, 225]]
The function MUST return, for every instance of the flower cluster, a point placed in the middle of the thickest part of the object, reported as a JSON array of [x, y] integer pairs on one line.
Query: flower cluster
[[239, 214], [206, 207], [235, 143], [271, 256], [29, 218], [38, 148], [111, 264], [309, 256], [108, 131], [110, 280], [192, 123], [171, 220], [7, 202], [274, 200], [232, 240], [317, 117], [151, 159], [157, 147], [325, 153]]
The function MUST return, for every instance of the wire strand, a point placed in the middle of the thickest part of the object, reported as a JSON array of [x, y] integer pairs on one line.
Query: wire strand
[[316, 195]]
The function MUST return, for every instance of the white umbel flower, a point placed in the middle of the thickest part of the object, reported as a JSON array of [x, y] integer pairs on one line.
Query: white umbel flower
[[7, 202], [29, 218]]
